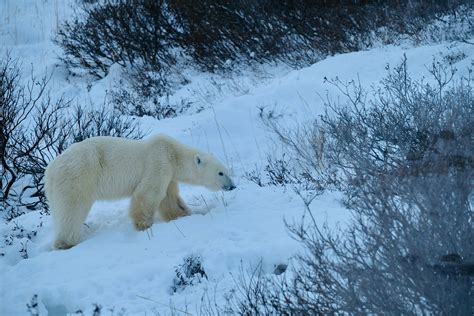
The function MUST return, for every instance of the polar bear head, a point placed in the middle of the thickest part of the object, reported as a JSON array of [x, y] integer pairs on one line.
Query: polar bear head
[[212, 174]]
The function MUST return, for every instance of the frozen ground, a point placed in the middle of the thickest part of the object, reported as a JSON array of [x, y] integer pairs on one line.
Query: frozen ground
[[132, 272]]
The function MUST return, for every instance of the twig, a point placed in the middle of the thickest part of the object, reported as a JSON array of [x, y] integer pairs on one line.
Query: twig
[[162, 304]]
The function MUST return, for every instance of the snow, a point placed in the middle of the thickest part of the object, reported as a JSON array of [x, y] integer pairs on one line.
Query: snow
[[117, 267]]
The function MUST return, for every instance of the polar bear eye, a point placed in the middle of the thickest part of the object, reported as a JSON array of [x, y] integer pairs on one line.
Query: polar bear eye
[[221, 174]]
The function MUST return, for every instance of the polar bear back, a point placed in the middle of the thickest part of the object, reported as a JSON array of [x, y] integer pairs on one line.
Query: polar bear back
[[111, 167]]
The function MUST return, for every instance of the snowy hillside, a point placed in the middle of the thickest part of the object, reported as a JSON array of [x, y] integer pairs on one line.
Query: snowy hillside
[[131, 273]]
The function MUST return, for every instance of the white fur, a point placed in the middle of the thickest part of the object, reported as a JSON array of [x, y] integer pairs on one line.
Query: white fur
[[148, 171]]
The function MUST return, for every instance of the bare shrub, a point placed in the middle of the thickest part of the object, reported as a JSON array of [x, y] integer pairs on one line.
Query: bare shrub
[[31, 133], [282, 171], [86, 123], [34, 129], [153, 36], [404, 159], [119, 31], [129, 102], [188, 273]]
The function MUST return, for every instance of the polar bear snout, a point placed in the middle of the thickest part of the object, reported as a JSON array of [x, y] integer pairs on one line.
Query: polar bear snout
[[229, 187], [229, 184]]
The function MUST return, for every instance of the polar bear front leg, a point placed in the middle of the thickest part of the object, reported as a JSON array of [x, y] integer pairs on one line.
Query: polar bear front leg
[[147, 197], [145, 202], [142, 208], [172, 206]]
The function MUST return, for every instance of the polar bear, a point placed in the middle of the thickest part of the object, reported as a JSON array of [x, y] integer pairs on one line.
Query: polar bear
[[148, 171]]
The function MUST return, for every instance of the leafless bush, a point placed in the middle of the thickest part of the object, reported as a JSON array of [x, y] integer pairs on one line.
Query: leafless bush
[[403, 156], [281, 171], [86, 123], [152, 36], [128, 102], [188, 273], [34, 129], [31, 133], [119, 31]]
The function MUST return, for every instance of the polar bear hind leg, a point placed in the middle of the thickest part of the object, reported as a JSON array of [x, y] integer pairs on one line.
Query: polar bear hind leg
[[69, 216]]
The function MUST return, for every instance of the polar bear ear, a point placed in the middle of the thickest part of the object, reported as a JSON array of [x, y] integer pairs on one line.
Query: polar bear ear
[[197, 160]]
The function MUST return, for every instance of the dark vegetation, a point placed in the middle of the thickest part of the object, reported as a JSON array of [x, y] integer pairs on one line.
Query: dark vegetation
[[34, 129], [403, 155], [188, 273], [154, 40], [214, 33]]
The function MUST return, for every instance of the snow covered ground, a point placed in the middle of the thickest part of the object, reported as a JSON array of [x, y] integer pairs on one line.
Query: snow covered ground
[[132, 272]]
